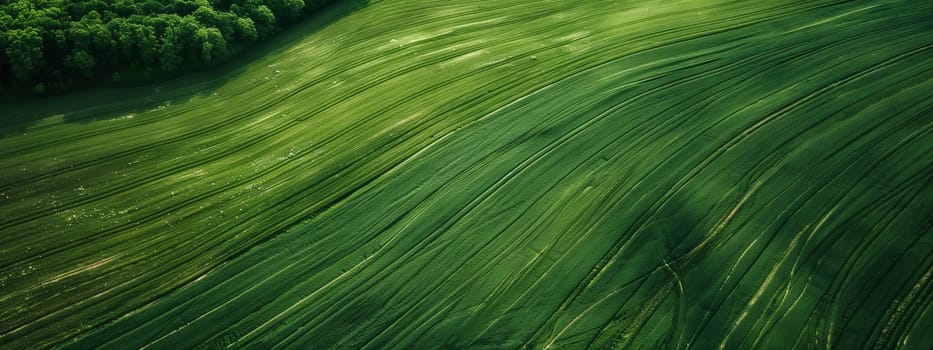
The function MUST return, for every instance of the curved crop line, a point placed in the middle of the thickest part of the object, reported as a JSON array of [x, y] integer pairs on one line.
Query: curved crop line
[[497, 175]]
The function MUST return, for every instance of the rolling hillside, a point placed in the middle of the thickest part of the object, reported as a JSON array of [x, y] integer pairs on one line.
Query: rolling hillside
[[422, 174]]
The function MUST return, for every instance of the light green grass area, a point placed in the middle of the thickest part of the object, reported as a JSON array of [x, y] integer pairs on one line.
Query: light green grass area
[[493, 174]]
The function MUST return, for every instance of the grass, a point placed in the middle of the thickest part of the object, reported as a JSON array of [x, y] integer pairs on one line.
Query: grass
[[466, 174]]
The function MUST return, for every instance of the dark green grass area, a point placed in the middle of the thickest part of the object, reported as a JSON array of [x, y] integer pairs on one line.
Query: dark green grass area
[[540, 174]]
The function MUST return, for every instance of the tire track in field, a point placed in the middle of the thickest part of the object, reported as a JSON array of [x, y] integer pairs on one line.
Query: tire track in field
[[767, 167], [553, 217], [155, 214], [243, 146]]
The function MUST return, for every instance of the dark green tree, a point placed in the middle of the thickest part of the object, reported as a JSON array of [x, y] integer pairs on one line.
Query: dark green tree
[[211, 42], [81, 62], [24, 50]]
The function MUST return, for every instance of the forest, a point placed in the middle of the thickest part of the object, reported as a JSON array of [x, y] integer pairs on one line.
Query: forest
[[50, 45]]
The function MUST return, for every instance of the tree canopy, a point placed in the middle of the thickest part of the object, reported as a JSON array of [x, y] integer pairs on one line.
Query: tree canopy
[[52, 44]]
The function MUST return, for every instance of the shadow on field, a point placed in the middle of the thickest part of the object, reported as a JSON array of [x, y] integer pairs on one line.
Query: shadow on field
[[19, 113]]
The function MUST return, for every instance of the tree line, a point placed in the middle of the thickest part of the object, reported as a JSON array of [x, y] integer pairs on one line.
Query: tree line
[[53, 44]]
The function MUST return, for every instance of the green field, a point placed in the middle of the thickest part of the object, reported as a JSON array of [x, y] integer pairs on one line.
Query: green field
[[420, 174]]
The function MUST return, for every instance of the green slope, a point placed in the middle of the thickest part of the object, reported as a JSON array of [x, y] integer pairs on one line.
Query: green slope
[[463, 174]]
